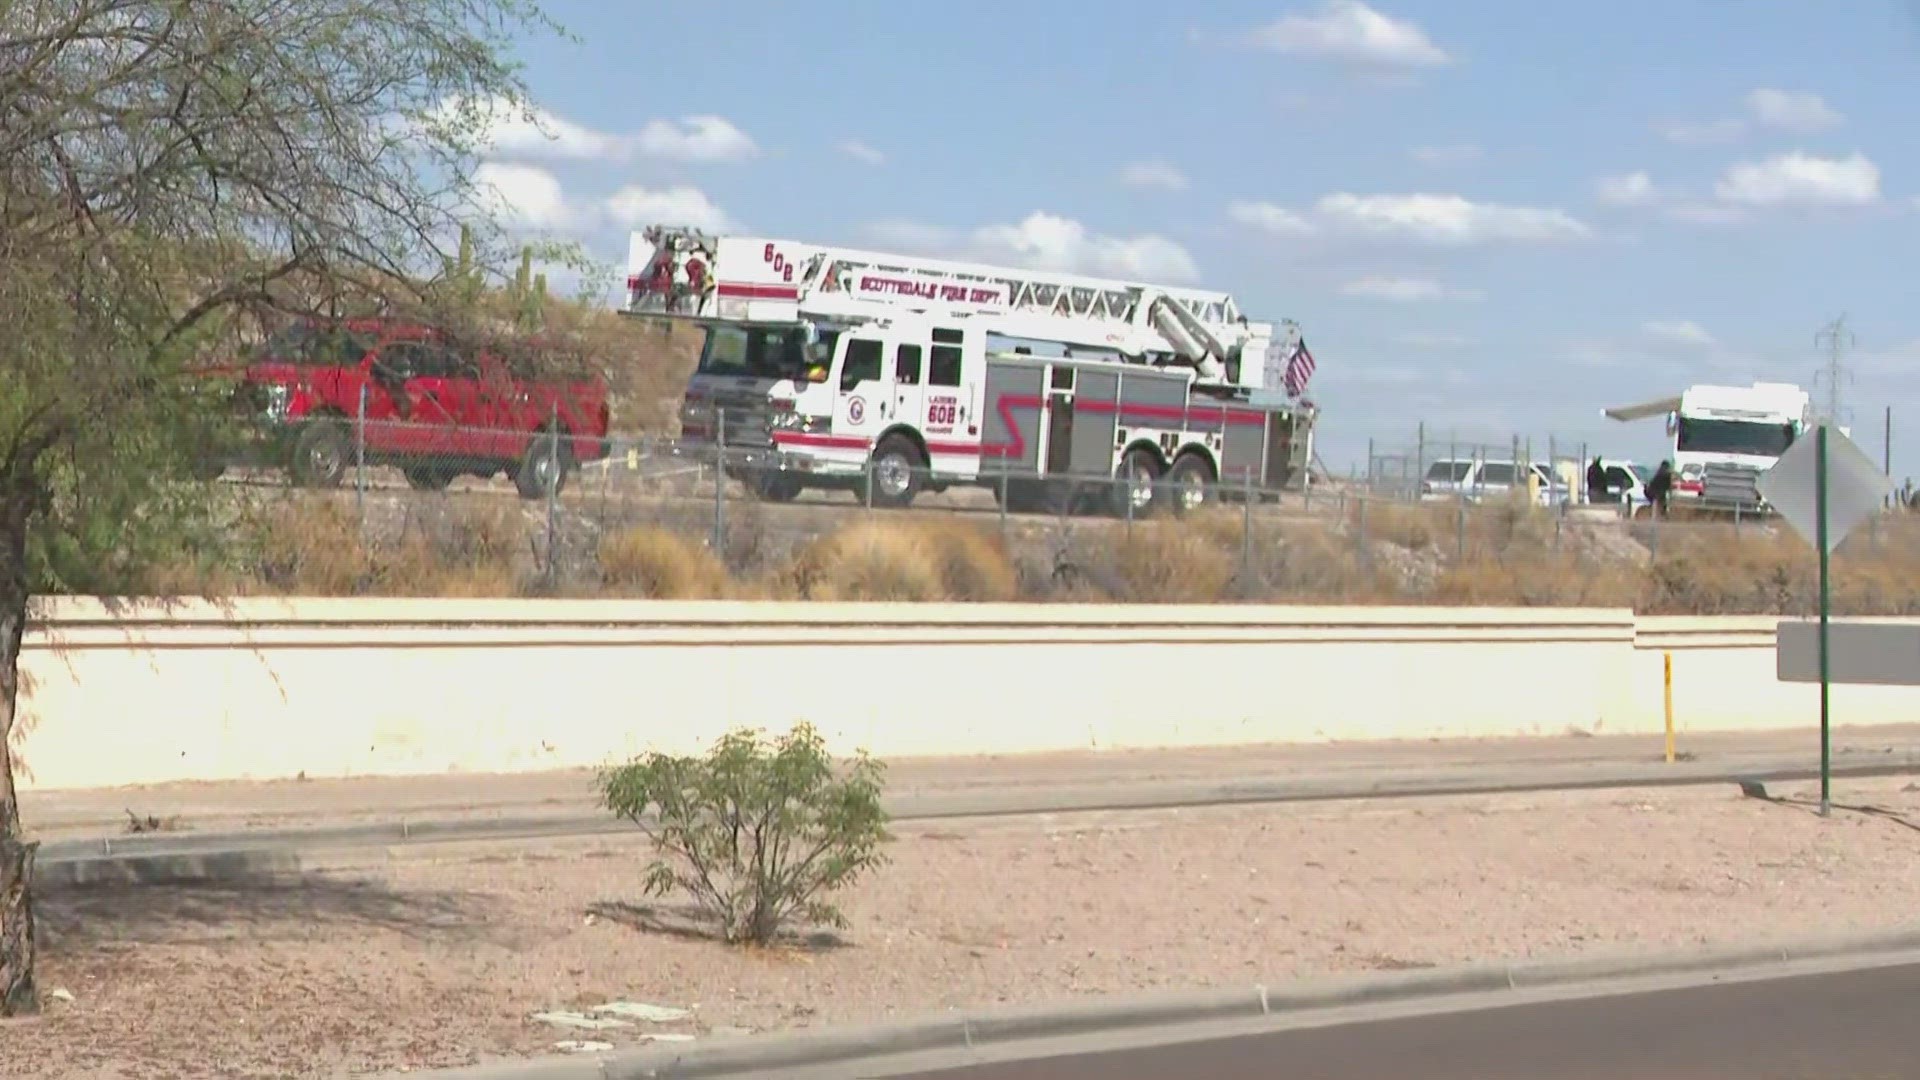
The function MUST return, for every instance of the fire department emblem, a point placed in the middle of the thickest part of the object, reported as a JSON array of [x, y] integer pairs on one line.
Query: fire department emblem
[[856, 410]]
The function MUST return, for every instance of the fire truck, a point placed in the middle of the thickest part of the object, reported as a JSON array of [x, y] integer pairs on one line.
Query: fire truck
[[889, 375]]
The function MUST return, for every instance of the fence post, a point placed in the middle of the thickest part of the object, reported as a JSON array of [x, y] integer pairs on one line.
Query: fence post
[[1127, 494], [360, 456], [1246, 521], [1419, 458], [1003, 498], [553, 494], [720, 482], [1360, 531], [1460, 528]]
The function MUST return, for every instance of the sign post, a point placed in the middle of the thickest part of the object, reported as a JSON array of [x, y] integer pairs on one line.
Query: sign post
[[1826, 611], [1825, 487]]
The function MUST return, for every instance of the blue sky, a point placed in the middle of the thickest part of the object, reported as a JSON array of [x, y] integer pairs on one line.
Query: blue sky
[[1494, 217]]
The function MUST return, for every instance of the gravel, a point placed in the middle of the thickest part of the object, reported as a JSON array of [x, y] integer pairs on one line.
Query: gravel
[[431, 962]]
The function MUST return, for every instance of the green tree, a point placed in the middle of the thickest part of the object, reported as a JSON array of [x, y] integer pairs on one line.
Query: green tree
[[758, 832], [172, 171]]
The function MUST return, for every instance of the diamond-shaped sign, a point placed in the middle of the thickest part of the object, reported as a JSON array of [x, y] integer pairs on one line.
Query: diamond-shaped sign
[[1856, 488]]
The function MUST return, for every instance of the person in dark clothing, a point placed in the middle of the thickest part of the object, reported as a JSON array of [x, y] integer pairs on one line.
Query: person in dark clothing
[[1597, 483], [1659, 486]]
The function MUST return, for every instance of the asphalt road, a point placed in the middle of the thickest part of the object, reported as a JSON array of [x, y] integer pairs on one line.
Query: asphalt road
[[1856, 1025]]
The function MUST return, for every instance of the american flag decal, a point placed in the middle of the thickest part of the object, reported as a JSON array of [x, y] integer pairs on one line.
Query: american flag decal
[[1299, 370]]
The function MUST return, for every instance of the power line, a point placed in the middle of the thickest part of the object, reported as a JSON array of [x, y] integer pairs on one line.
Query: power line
[[1836, 339]]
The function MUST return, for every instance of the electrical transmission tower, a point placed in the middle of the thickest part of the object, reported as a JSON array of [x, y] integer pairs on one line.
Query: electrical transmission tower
[[1836, 340]]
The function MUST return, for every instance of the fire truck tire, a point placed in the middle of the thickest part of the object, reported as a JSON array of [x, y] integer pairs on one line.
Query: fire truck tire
[[544, 467], [1190, 484], [322, 453], [896, 472], [774, 486], [1142, 466]]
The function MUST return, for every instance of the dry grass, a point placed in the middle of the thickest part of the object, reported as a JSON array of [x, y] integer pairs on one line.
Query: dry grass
[[1495, 556], [903, 561], [660, 565]]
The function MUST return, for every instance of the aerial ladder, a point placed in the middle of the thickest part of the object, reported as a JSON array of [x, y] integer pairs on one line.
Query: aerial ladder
[[680, 272]]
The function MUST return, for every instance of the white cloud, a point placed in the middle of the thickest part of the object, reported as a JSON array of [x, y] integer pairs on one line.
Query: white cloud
[[1436, 219], [1403, 289], [1678, 332], [1153, 174], [697, 140], [863, 153], [637, 207], [1446, 219], [1797, 111], [1348, 30], [1268, 217], [1631, 189], [1695, 132], [1798, 177], [1445, 155], [501, 128], [1046, 241], [524, 195]]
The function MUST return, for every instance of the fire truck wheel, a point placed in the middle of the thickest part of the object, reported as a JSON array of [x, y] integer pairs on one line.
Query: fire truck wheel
[[896, 470], [1138, 482], [776, 487], [321, 453], [1190, 484]]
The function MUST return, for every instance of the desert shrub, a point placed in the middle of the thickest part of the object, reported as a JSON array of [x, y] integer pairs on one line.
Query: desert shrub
[[904, 560], [758, 832], [660, 564]]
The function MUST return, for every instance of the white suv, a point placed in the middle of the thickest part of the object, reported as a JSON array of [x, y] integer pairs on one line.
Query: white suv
[[1474, 479]]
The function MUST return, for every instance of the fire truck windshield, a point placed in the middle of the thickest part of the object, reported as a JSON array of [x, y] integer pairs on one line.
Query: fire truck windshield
[[761, 352], [1701, 435]]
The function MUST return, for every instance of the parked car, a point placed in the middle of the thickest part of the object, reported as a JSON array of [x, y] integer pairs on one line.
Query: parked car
[[1478, 479], [324, 394]]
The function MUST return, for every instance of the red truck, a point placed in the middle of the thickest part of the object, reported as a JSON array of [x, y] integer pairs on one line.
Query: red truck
[[433, 409]]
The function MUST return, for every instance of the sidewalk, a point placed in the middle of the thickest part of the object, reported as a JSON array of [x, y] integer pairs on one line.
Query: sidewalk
[[956, 786]]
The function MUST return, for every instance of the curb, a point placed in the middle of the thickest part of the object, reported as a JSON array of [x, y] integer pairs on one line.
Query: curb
[[973, 1029], [1150, 795]]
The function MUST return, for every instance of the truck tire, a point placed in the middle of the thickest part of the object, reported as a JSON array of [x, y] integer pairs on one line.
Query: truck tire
[[1190, 484], [322, 453], [1137, 480], [544, 467], [895, 472], [773, 485]]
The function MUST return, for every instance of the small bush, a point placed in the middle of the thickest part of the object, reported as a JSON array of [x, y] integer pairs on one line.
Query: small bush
[[758, 832], [662, 565]]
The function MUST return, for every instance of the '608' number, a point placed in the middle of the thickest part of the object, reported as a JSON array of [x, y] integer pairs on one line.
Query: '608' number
[[941, 413], [778, 261]]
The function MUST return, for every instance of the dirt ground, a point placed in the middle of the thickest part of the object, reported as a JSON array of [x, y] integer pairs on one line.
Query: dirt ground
[[436, 963]]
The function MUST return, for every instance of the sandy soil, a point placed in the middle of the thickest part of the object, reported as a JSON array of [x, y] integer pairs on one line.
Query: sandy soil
[[437, 963]]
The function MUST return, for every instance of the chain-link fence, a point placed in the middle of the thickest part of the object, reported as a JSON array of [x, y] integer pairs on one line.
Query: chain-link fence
[[386, 506], [1429, 463]]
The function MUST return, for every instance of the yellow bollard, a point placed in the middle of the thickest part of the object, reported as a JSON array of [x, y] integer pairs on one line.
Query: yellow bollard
[[1667, 659]]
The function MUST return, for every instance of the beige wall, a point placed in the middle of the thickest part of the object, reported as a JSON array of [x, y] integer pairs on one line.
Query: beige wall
[[134, 692]]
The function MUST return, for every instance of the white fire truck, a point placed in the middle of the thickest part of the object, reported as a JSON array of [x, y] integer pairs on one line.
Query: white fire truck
[[888, 375]]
